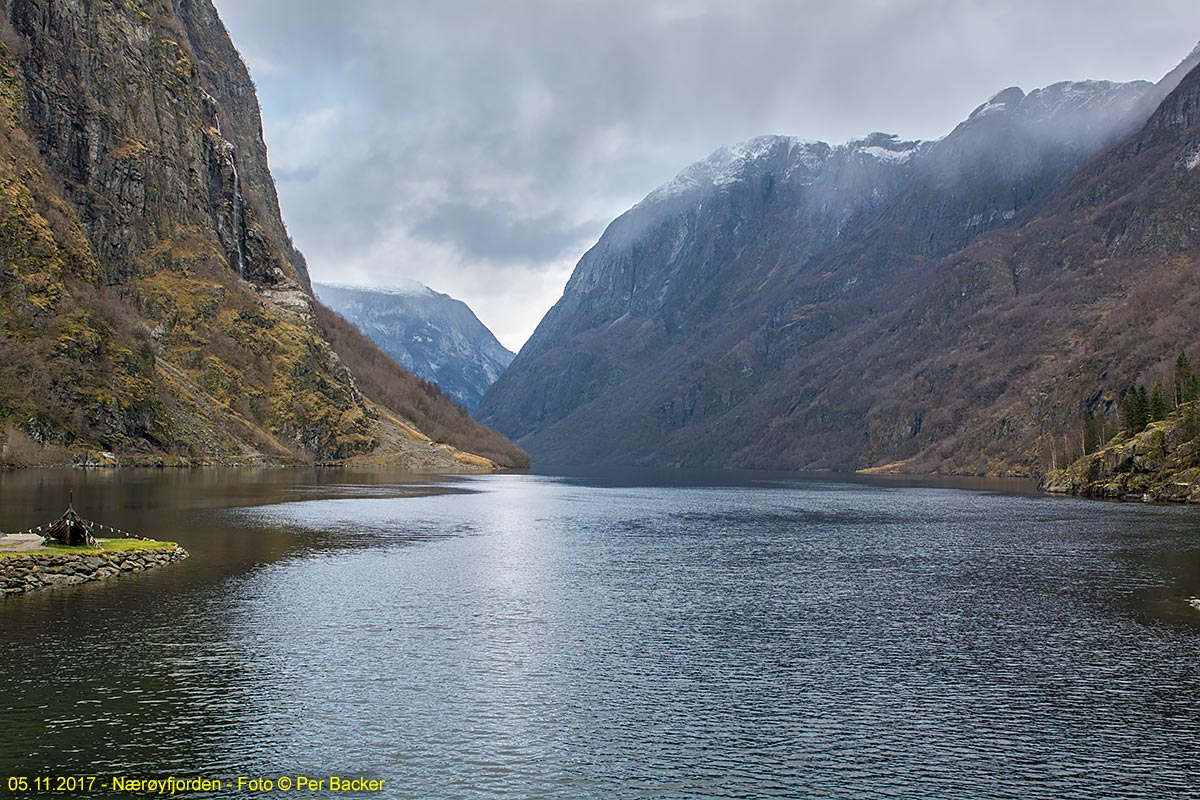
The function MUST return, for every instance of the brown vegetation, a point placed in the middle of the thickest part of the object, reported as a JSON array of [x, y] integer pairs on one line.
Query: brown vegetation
[[420, 402], [18, 450], [151, 303], [892, 344]]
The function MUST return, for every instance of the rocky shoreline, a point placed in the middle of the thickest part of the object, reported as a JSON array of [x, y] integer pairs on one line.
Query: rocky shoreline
[[1158, 465], [29, 573]]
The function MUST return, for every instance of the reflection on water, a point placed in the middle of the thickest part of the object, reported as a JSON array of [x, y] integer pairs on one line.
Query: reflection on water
[[615, 637]]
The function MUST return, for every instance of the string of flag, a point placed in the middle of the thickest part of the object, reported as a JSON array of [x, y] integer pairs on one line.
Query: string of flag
[[117, 533]]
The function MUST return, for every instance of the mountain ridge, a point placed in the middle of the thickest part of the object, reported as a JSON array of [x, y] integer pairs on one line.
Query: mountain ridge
[[801, 279], [433, 335]]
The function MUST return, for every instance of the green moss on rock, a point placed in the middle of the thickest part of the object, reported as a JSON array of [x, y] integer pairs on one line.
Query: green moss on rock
[[1162, 463]]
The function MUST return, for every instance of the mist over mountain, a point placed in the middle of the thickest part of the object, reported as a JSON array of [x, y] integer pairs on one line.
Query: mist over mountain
[[795, 304], [433, 335]]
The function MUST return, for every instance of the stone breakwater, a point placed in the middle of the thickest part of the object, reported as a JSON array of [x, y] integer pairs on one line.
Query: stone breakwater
[[20, 574]]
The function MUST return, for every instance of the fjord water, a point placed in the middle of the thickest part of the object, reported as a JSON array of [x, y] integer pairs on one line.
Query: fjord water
[[528, 636]]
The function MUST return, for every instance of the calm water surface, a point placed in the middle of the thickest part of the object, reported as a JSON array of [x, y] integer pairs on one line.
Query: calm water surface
[[528, 636]]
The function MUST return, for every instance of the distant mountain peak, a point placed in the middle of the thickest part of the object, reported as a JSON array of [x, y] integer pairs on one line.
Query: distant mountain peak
[[1004, 100], [784, 155], [885, 147], [1076, 106], [402, 287], [435, 336], [729, 164], [705, 326]]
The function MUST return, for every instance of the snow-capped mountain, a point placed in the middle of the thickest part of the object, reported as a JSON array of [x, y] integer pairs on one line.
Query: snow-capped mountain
[[759, 310], [435, 336]]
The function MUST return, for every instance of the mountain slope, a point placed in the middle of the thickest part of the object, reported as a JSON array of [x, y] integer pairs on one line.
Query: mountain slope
[[796, 305], [152, 309], [434, 336], [418, 403]]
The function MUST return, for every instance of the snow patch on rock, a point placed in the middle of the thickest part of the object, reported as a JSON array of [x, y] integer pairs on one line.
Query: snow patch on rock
[[1002, 101], [729, 165], [883, 154], [402, 288]]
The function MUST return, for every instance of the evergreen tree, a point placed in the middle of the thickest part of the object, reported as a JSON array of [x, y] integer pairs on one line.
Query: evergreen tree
[[1158, 404], [1135, 410], [1191, 422], [1185, 387], [1093, 432]]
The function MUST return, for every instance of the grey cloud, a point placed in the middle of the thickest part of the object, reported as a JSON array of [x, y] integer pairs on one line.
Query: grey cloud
[[304, 174], [497, 230], [506, 133]]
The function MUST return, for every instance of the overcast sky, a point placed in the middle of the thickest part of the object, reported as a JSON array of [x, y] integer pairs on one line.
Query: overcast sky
[[482, 147]]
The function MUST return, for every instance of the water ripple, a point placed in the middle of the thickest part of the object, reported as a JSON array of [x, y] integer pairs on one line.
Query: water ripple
[[536, 638]]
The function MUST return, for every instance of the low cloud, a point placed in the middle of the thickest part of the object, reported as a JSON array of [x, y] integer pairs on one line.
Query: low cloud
[[500, 230], [474, 145]]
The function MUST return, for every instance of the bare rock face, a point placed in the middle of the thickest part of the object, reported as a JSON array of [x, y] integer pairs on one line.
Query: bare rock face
[[119, 107], [791, 304], [1160, 464], [152, 307], [147, 120], [226, 73], [435, 336]]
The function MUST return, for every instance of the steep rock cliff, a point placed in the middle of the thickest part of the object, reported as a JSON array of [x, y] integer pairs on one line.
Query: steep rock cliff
[[152, 305], [758, 311]]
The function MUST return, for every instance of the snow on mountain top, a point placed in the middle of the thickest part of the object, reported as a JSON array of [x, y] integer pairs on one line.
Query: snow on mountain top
[[1004, 100], [403, 287], [796, 158], [1066, 99], [883, 154], [884, 147], [728, 164], [1069, 96], [759, 146], [803, 160]]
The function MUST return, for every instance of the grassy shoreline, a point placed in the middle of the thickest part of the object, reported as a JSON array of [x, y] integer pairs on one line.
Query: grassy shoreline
[[105, 546]]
